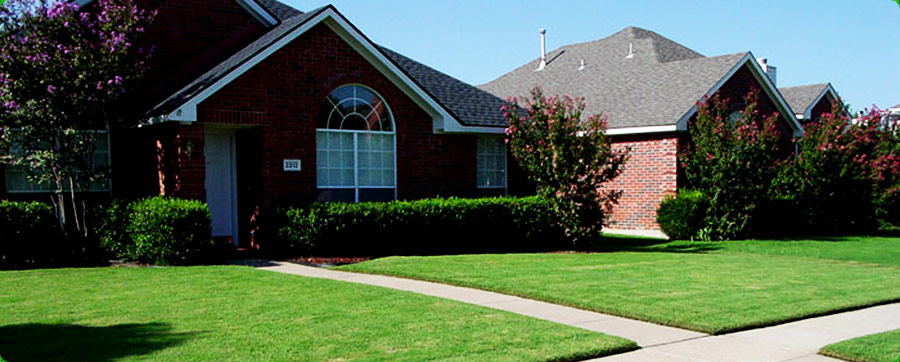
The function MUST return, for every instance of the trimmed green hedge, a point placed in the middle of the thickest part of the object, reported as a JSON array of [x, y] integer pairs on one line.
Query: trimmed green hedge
[[682, 217], [29, 235], [424, 227], [157, 230]]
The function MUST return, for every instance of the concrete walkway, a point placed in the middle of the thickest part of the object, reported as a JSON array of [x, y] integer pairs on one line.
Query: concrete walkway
[[797, 341]]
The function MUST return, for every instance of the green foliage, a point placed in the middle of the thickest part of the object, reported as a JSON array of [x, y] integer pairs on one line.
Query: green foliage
[[569, 160], [63, 72], [732, 160], [845, 175], [681, 218], [29, 235], [423, 227], [157, 230]]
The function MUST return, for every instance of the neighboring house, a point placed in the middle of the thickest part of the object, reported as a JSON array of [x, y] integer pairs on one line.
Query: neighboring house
[[253, 105], [648, 87], [894, 112], [809, 102]]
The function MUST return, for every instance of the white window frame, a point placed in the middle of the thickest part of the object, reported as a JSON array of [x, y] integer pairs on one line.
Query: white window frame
[[356, 186], [40, 189], [479, 168]]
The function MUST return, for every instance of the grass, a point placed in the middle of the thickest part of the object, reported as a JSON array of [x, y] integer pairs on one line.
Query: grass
[[881, 347], [238, 313], [708, 287]]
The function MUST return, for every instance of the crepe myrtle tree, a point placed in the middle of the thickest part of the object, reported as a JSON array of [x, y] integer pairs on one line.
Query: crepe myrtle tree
[[731, 157], [568, 158], [63, 71]]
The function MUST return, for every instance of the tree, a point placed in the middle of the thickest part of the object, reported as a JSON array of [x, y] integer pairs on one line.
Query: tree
[[63, 72], [847, 173], [731, 158], [569, 159]]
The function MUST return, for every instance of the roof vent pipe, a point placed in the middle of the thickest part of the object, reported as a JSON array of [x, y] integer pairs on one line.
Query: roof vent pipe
[[630, 51], [543, 49], [770, 70]]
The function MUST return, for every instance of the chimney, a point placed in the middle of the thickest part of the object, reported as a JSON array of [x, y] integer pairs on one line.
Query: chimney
[[768, 69], [543, 49]]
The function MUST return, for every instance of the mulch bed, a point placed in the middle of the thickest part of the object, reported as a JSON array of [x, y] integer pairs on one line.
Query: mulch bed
[[332, 261]]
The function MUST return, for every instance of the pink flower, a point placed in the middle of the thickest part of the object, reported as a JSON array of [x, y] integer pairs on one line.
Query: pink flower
[[51, 89]]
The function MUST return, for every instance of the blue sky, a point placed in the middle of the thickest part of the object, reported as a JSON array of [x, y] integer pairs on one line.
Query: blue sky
[[855, 44]]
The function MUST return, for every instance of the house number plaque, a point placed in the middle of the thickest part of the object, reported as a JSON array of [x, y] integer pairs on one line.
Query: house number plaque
[[292, 165]]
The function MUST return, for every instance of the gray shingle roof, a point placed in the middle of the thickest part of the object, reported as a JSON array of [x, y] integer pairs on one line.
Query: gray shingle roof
[[799, 98], [281, 11], [468, 104], [654, 87]]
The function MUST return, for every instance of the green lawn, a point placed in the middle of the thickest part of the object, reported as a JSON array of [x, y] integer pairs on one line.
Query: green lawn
[[881, 347], [708, 287], [238, 313]]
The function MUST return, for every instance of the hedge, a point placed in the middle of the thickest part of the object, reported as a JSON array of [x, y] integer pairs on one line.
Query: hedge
[[423, 227], [682, 217], [157, 230], [29, 235]]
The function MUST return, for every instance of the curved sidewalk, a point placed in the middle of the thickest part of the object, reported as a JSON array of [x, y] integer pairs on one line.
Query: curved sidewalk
[[796, 341]]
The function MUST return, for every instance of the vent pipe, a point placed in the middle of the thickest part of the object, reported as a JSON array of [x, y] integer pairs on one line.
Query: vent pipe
[[543, 49], [630, 51], [768, 69]]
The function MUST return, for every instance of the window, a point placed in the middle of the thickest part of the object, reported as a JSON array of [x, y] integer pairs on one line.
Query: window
[[491, 162], [17, 181], [355, 150]]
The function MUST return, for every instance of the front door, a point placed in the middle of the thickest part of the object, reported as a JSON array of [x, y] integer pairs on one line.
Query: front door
[[221, 183]]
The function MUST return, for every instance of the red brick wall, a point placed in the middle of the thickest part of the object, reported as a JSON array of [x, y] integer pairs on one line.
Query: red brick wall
[[190, 37], [649, 174], [824, 106], [283, 94]]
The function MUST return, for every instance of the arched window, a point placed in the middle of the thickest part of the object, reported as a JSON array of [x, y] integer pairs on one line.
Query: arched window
[[355, 147]]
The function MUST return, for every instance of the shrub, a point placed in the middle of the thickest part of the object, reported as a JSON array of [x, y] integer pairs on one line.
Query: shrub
[[423, 227], [680, 218], [733, 161], [842, 178], [568, 159], [158, 230], [29, 234]]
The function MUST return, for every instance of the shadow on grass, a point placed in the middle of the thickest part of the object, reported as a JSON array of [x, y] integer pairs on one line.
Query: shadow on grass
[[67, 342], [617, 243]]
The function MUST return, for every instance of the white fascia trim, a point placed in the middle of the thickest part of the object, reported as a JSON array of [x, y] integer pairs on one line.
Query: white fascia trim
[[807, 113], [258, 12], [768, 86], [457, 128], [188, 111], [442, 119], [641, 130]]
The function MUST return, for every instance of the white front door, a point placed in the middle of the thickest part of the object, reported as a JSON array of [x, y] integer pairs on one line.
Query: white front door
[[221, 184]]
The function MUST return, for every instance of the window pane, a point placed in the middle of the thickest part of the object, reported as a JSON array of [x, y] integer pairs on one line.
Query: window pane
[[490, 162], [354, 107]]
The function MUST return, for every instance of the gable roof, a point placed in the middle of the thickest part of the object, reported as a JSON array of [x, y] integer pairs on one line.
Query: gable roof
[[655, 89], [471, 105], [803, 98], [456, 107]]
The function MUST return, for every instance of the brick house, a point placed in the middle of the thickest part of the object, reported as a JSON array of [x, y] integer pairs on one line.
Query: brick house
[[252, 105], [648, 86], [809, 102]]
